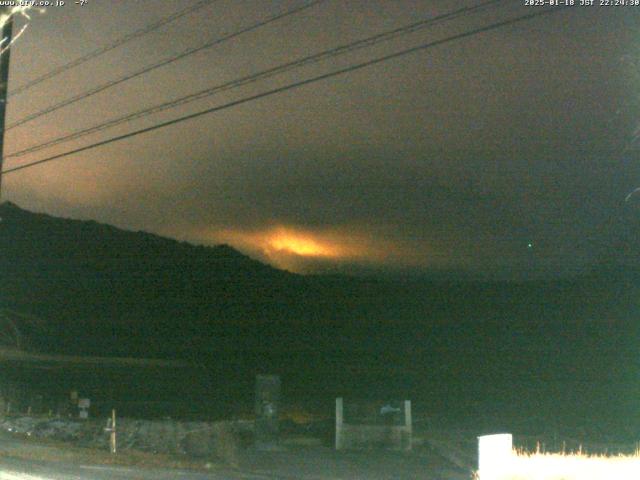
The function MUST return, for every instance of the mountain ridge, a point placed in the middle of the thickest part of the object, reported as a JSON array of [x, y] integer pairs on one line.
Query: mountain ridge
[[105, 290]]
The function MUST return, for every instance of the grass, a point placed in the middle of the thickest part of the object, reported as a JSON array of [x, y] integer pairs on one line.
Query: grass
[[40, 449], [568, 466]]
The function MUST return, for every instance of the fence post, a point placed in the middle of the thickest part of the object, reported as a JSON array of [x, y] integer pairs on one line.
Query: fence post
[[494, 455], [267, 408], [113, 431], [408, 425], [339, 423]]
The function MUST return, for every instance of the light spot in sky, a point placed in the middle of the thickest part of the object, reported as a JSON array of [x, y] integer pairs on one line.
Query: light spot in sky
[[303, 244], [305, 250], [282, 241]]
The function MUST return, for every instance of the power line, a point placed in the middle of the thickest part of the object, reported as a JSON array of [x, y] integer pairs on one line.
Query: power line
[[294, 85], [115, 44], [162, 63], [333, 52]]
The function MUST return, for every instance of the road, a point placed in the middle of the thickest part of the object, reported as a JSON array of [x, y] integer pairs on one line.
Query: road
[[19, 469], [12, 468]]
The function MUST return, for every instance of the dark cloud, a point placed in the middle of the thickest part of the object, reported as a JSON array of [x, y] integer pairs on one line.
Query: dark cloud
[[457, 156]]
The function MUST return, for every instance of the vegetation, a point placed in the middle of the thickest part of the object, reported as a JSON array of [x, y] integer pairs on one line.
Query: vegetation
[[572, 466]]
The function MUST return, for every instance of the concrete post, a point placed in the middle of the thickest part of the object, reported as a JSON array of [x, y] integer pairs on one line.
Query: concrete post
[[267, 410], [112, 437], [6, 35], [494, 455], [408, 424], [339, 423]]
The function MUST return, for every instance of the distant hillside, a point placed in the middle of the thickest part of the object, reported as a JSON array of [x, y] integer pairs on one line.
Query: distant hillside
[[95, 281], [135, 292], [103, 290]]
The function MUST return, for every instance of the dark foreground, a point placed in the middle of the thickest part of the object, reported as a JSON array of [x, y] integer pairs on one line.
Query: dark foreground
[[23, 459], [438, 454]]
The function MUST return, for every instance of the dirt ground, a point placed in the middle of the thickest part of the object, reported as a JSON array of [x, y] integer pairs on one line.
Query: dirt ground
[[324, 463], [298, 458]]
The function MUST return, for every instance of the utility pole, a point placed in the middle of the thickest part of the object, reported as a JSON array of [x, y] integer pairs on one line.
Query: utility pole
[[7, 36]]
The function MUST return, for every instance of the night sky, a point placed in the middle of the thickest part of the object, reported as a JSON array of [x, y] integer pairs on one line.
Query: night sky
[[509, 151]]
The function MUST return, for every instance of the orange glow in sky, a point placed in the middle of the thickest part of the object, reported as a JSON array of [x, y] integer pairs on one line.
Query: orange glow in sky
[[298, 249], [288, 241]]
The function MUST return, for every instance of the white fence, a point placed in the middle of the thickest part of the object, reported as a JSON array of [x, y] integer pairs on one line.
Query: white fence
[[352, 434]]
